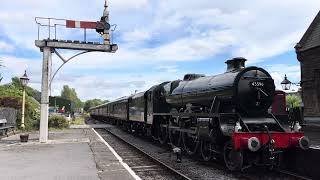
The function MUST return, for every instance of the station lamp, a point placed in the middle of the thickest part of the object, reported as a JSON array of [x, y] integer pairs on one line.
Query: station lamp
[[24, 81], [286, 84]]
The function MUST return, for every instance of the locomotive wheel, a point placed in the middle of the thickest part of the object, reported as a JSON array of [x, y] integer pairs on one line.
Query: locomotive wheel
[[129, 127], [163, 133], [132, 128], [205, 148], [233, 159], [144, 131], [190, 143], [154, 132], [175, 138]]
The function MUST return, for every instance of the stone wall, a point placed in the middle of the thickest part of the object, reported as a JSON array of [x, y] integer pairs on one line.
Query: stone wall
[[10, 114], [310, 81]]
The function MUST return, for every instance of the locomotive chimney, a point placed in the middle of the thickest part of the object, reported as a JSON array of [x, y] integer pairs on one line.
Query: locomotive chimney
[[236, 64]]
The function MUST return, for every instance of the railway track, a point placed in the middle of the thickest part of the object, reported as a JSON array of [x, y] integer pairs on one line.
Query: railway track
[[143, 164], [218, 170], [293, 174]]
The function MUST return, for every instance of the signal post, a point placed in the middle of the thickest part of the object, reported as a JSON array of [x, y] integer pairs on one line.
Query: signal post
[[49, 46]]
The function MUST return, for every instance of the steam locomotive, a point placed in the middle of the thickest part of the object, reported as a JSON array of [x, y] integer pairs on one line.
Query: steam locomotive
[[226, 116]]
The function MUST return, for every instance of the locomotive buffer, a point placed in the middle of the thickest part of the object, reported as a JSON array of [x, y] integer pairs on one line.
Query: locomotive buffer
[[51, 45]]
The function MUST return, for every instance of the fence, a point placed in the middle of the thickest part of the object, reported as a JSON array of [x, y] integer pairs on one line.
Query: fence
[[10, 114]]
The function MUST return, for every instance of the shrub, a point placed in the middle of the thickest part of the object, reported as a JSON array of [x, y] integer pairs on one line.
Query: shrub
[[57, 121], [293, 101], [11, 96]]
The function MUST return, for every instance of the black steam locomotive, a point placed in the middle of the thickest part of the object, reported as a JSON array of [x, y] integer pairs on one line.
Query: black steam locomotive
[[225, 115]]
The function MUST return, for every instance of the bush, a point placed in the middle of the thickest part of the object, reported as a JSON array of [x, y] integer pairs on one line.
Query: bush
[[293, 101], [11, 96], [57, 121]]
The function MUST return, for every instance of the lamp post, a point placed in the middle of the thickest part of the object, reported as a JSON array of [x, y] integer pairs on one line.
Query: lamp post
[[24, 81], [286, 84]]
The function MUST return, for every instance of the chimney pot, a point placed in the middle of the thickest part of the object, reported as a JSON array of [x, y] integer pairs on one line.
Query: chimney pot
[[236, 64]]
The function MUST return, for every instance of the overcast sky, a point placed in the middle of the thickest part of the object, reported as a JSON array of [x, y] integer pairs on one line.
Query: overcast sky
[[158, 40]]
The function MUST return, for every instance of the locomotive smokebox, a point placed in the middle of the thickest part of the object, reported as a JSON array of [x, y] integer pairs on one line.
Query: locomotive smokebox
[[236, 64]]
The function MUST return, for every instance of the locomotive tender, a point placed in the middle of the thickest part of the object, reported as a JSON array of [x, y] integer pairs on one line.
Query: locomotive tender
[[225, 116]]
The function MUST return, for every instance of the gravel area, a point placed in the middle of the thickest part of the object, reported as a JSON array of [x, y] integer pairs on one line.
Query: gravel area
[[194, 167], [145, 167]]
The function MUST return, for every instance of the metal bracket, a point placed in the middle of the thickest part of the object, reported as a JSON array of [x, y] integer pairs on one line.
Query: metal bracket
[[64, 62]]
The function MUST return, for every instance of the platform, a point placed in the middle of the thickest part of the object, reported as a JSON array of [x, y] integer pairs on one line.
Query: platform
[[77, 154], [313, 133]]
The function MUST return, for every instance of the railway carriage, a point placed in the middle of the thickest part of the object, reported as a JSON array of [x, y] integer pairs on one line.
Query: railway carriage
[[225, 115]]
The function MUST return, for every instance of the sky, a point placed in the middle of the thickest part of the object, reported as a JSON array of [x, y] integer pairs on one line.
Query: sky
[[158, 41]]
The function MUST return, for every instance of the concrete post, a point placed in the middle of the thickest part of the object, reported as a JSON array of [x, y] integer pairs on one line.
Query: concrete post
[[44, 94]]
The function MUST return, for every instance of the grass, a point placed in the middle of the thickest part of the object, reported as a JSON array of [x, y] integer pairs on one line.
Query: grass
[[79, 120]]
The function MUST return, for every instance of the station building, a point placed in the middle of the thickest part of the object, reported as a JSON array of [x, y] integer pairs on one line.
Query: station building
[[308, 53]]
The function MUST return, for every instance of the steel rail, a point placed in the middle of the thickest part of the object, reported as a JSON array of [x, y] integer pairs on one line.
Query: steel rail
[[150, 156], [292, 174]]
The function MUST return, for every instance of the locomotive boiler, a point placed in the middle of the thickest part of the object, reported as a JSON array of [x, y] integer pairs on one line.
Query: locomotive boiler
[[250, 90], [225, 116]]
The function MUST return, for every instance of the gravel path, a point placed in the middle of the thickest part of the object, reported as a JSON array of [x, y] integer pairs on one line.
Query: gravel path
[[144, 166]]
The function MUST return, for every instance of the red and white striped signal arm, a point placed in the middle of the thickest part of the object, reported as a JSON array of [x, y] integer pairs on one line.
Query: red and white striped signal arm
[[81, 24]]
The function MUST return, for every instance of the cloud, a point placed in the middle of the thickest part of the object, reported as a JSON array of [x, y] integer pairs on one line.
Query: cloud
[[137, 35], [14, 66], [154, 37], [128, 4], [5, 47], [258, 30], [277, 71], [111, 85], [182, 31], [167, 68]]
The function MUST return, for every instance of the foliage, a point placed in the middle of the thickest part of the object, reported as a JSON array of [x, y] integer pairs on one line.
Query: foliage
[[70, 94], [57, 121], [92, 103], [293, 101], [11, 96], [79, 120], [58, 102], [15, 81]]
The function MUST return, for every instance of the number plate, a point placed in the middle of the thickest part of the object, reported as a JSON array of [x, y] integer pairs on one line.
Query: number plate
[[257, 84]]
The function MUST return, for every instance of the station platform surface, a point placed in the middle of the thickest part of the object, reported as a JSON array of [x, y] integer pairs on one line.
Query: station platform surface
[[312, 131], [73, 154]]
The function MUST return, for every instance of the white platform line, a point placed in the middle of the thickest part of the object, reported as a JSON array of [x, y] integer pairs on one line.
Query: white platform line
[[125, 165], [315, 147]]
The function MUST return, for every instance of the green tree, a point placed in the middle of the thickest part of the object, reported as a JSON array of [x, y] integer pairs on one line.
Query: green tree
[[11, 96], [293, 101], [70, 94], [15, 82], [92, 103]]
